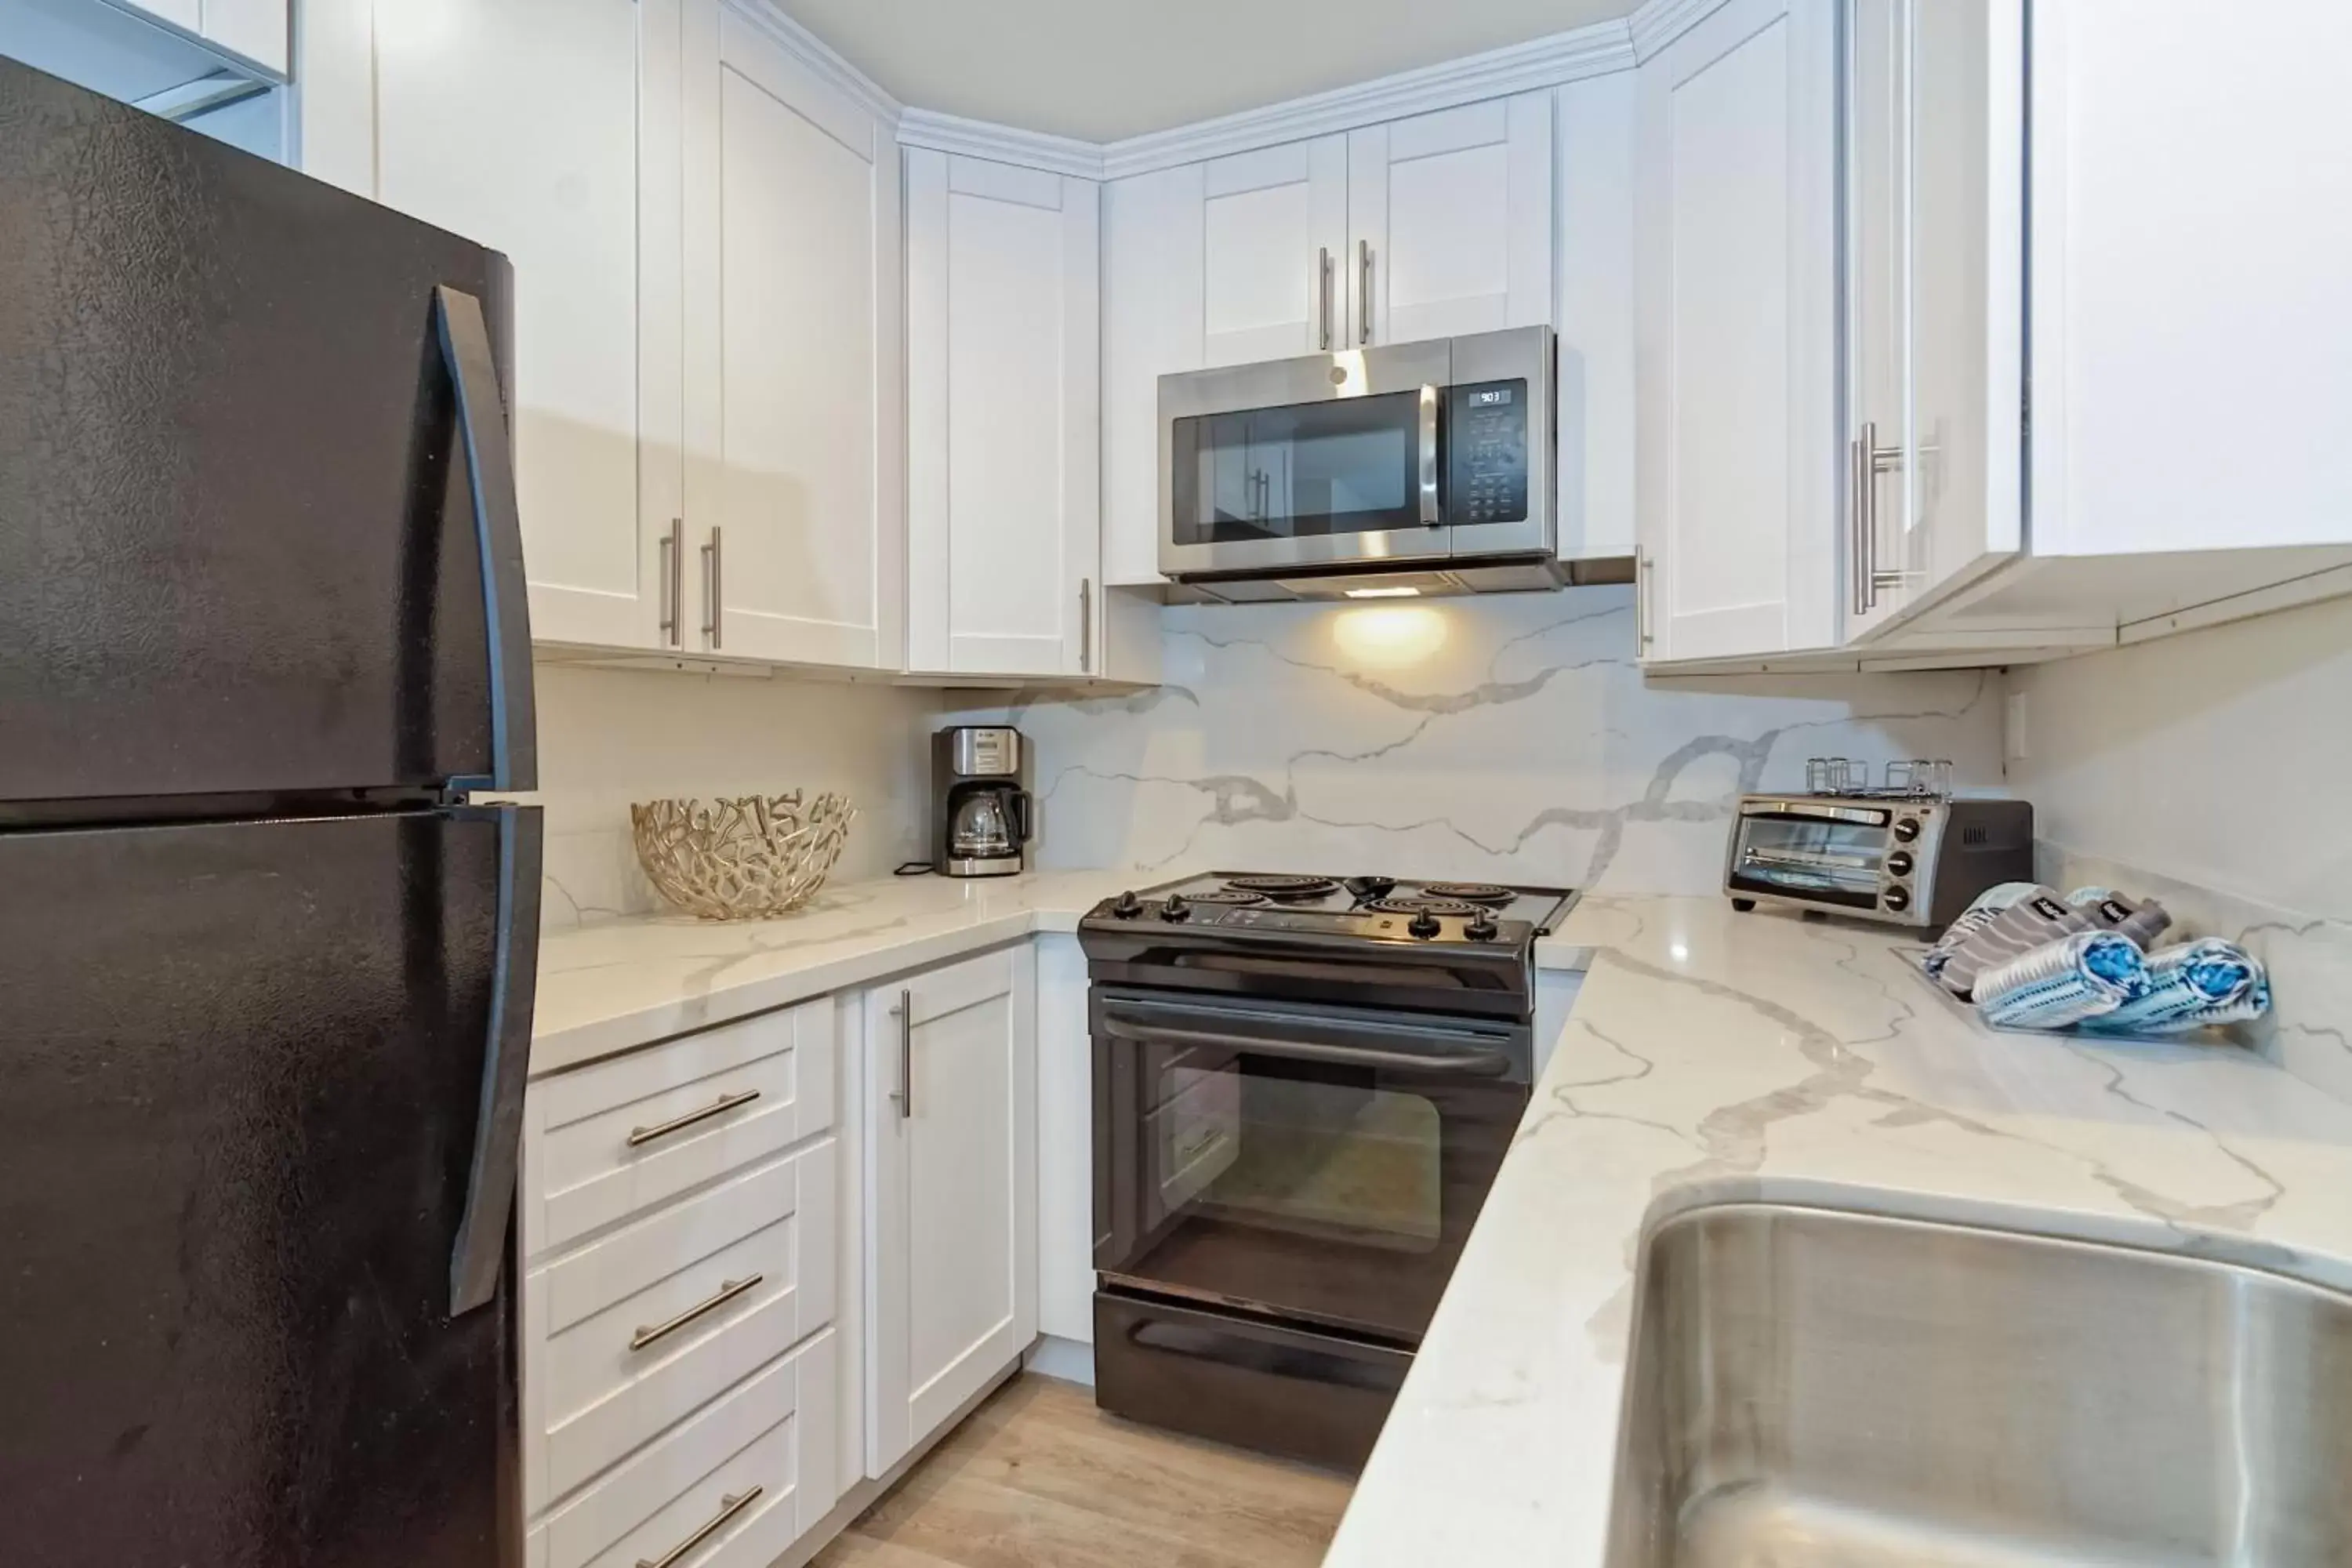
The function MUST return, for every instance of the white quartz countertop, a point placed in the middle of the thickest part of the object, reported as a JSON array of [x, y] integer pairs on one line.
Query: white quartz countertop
[[1716, 1056], [617, 985]]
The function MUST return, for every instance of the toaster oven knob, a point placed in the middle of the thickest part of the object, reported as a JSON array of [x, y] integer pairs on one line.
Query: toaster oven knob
[[1424, 925], [1127, 906], [1907, 828], [1899, 863], [1175, 909], [1895, 898]]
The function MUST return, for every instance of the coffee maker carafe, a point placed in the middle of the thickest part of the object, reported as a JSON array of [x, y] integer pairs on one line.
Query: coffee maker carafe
[[980, 801]]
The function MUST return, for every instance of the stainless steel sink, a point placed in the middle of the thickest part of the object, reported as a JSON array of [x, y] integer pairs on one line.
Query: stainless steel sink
[[1812, 1389]]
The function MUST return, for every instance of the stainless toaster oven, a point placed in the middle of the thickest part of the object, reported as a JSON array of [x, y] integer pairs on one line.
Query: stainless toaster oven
[[1908, 859]]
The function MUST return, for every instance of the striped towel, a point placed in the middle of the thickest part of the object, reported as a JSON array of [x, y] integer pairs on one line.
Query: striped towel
[[2188, 986], [2032, 922], [2062, 983], [1981, 914], [2142, 919]]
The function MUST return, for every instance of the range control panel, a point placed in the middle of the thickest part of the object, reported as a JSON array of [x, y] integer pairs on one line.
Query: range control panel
[[1486, 452]]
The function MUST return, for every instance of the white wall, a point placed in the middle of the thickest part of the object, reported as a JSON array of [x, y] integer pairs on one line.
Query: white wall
[[2214, 771], [1509, 737], [607, 738]]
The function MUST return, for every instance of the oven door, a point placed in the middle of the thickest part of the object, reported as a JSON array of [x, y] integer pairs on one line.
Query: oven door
[[1330, 460], [1320, 1165]]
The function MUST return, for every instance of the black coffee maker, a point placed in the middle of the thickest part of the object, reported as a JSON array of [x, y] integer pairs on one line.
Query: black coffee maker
[[980, 801]]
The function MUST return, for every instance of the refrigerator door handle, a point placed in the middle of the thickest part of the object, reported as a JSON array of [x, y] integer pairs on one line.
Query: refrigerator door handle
[[497, 525], [481, 1245]]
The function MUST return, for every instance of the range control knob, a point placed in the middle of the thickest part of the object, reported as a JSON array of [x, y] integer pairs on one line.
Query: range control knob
[[1907, 828], [1895, 898], [1899, 863], [1175, 909], [1126, 907], [1424, 925], [1482, 929]]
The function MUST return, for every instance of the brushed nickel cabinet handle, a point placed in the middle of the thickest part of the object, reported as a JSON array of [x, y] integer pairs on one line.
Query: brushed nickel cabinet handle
[[1644, 570], [726, 1102], [1858, 479], [673, 546], [713, 614], [727, 1290], [729, 1507], [905, 1013], [1322, 288], [1363, 292], [1085, 625]]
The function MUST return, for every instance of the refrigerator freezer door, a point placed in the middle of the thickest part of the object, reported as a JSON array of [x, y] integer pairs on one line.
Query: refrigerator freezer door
[[243, 1073], [239, 547]]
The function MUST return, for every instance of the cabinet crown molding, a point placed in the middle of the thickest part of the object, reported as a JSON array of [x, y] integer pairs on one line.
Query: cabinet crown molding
[[821, 60], [1657, 23], [953, 134]]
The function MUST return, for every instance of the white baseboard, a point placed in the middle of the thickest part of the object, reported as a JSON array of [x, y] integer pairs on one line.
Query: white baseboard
[[1065, 1359]]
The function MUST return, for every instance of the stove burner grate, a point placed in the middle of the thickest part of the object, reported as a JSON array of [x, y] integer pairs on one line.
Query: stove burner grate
[[1469, 892], [1422, 904], [1282, 888]]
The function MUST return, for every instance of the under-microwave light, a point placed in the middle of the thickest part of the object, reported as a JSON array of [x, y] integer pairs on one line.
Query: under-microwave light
[[1400, 591]]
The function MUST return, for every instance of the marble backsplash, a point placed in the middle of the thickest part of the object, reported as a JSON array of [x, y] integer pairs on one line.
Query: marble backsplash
[[1510, 737]]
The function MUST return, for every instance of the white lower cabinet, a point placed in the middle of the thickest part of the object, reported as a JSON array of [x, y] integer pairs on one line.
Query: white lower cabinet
[[680, 1219], [951, 1166]]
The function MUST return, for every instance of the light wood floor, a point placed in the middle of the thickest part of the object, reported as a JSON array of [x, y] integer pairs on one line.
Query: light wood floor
[[1039, 1477]]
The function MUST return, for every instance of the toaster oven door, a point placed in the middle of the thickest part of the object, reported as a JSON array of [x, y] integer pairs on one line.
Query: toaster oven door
[[1816, 854]]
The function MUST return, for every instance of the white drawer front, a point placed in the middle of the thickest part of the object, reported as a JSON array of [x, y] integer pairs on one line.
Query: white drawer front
[[743, 1271], [775, 1433], [696, 1109]]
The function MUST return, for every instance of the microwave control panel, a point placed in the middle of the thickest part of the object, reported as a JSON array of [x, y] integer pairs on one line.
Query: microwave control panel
[[1486, 452]]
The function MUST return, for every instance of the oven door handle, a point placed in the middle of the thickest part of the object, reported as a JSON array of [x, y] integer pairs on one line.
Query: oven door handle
[[1485, 1063]]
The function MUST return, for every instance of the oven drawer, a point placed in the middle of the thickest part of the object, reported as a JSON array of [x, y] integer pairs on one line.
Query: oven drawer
[[1316, 1397]]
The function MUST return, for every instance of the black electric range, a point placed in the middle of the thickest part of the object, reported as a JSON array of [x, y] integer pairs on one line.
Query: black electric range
[[1303, 1089]]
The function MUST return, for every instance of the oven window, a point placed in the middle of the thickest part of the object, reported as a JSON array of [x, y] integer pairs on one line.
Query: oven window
[[1312, 469], [1339, 1161], [1835, 862]]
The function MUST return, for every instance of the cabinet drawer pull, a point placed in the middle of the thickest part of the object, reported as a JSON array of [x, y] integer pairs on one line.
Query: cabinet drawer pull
[[719, 1107], [729, 1507], [727, 1290]]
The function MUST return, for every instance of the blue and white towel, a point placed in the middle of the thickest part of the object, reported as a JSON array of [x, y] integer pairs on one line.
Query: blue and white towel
[[2188, 986], [2077, 977]]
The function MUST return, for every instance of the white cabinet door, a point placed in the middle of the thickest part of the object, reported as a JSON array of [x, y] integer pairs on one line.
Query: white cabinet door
[[1274, 231], [1934, 326], [1736, 434], [515, 123], [1003, 430], [1449, 223], [1154, 278], [1066, 1143], [1593, 241], [794, 511], [951, 1091]]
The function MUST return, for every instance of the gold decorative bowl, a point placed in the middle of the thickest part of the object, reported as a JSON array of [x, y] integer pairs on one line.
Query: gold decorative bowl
[[741, 859]]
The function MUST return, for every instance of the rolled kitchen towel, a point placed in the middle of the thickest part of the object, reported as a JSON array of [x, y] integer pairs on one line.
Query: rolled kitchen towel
[[1981, 911], [2079, 977], [2188, 986], [2142, 919], [2038, 919]]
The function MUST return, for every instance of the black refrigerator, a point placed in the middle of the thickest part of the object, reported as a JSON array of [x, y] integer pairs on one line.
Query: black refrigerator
[[265, 973]]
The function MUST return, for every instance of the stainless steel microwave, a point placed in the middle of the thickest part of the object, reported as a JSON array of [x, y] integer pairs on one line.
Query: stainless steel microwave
[[1412, 468]]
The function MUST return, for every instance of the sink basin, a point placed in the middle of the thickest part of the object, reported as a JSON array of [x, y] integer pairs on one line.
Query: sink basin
[[1812, 1389]]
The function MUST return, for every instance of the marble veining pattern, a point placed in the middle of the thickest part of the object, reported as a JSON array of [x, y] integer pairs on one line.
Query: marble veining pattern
[[1510, 737], [1713, 1056]]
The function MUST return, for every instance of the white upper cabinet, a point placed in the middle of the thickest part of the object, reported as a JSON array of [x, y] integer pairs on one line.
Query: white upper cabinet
[[1449, 223], [1274, 231], [793, 499], [1736, 395], [1593, 242], [1152, 308], [1003, 431], [516, 124]]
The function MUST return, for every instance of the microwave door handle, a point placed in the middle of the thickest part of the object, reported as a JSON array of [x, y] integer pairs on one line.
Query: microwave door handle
[[1431, 516], [1483, 1063]]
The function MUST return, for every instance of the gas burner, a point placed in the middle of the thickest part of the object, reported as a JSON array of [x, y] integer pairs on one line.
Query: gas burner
[[1469, 892], [1423, 905], [1225, 896], [1283, 889]]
